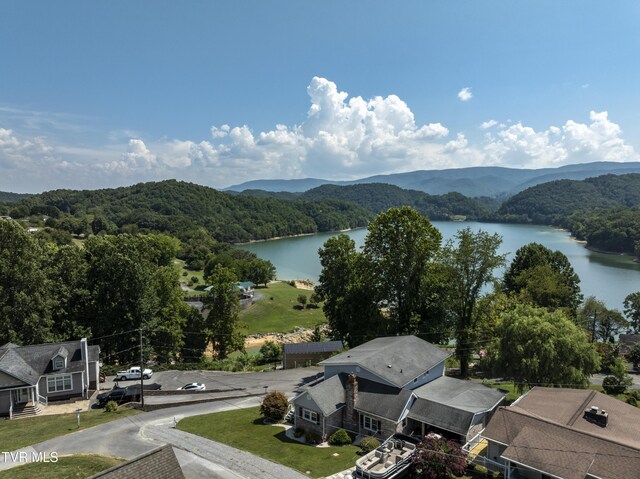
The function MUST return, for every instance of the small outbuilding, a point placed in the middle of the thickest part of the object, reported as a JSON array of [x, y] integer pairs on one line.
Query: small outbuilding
[[295, 355]]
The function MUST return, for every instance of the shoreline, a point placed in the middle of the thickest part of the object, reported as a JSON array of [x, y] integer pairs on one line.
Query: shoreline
[[275, 238]]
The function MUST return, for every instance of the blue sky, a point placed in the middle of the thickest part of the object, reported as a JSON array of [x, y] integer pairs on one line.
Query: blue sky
[[219, 92]]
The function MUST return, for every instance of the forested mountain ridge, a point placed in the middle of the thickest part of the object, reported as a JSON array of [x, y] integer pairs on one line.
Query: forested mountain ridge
[[473, 181], [549, 203], [12, 197], [176, 207]]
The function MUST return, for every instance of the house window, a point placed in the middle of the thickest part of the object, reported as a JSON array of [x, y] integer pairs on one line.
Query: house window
[[369, 423], [310, 416], [58, 363], [59, 383]]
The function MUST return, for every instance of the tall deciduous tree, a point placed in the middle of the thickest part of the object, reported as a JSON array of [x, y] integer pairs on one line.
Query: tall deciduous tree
[[632, 310], [223, 305], [602, 323], [470, 262], [399, 246], [542, 347], [560, 284], [350, 301], [25, 302]]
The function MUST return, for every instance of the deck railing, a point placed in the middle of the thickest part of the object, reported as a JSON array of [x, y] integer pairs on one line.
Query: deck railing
[[43, 400]]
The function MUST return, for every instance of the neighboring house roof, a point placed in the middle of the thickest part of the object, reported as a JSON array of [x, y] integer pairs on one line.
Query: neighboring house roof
[[12, 364], [160, 463], [396, 359], [245, 284], [312, 347], [451, 404], [328, 395], [627, 342], [381, 400], [546, 430], [28, 363]]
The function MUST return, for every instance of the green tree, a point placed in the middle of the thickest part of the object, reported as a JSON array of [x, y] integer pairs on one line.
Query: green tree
[[542, 347], [633, 356], [270, 352], [560, 289], [222, 320], [632, 310], [25, 289], [350, 300], [470, 263], [302, 300], [261, 271], [619, 380], [399, 246], [602, 323]]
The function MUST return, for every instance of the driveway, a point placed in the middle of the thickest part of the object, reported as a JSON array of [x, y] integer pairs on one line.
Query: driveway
[[135, 435]]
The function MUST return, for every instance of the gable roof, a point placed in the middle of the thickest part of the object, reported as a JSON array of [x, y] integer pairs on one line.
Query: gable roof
[[160, 463], [381, 400], [312, 347], [28, 363], [329, 395], [396, 359], [451, 404], [546, 430]]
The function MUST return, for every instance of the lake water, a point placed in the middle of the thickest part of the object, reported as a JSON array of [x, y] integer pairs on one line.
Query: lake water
[[607, 277]]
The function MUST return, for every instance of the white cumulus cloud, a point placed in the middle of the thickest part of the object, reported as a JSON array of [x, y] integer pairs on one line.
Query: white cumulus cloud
[[465, 94]]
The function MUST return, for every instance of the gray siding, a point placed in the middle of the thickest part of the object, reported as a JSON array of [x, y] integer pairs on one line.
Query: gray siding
[[76, 390], [435, 372], [5, 402], [94, 375], [7, 381]]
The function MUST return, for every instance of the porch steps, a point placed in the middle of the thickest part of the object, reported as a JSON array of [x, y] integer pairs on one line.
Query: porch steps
[[28, 410]]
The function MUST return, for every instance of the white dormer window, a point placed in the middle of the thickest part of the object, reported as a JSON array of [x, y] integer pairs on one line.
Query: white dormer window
[[58, 363]]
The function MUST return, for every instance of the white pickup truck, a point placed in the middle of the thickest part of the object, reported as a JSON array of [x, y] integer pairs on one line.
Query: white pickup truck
[[133, 373]]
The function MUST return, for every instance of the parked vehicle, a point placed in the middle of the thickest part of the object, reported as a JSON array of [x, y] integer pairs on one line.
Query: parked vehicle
[[193, 387], [133, 373], [126, 394]]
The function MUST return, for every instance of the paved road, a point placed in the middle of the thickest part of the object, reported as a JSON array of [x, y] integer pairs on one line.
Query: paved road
[[135, 435], [597, 379]]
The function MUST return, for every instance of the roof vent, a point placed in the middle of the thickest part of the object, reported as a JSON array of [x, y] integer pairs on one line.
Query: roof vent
[[595, 416], [388, 365]]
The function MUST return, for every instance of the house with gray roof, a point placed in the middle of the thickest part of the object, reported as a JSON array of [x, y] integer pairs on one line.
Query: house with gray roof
[[159, 463], [394, 384], [31, 376], [566, 434]]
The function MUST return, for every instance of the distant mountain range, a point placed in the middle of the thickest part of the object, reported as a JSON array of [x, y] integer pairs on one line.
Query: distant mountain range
[[473, 182]]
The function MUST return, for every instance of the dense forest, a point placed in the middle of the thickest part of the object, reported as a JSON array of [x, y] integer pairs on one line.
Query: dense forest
[[379, 197], [178, 208]]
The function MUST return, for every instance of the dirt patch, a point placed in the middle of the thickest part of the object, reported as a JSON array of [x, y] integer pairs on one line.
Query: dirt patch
[[304, 284], [300, 335]]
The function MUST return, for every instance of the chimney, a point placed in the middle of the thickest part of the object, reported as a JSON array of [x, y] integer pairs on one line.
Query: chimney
[[351, 393], [595, 416]]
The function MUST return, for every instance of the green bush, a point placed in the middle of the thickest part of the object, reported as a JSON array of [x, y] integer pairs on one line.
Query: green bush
[[312, 438], [111, 406], [368, 444], [298, 432], [340, 438], [274, 406], [631, 400], [613, 385]]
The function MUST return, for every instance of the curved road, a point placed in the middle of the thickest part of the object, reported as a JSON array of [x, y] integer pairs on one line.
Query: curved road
[[199, 457]]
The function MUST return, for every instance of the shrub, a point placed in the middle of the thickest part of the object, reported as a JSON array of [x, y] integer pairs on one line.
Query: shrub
[[613, 385], [312, 438], [339, 438], [631, 400], [270, 352], [184, 273], [368, 444], [275, 406], [298, 432], [111, 406]]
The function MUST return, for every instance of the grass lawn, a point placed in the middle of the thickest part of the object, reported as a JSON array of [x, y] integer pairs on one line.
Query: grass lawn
[[243, 429], [67, 467], [32, 430], [504, 386], [278, 315]]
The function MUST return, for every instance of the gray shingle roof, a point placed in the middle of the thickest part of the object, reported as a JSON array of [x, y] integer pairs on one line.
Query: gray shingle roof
[[312, 347], [28, 363], [159, 463], [464, 395], [381, 400], [329, 394], [396, 359]]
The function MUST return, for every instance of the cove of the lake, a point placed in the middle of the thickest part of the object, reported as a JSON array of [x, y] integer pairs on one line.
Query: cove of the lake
[[608, 277]]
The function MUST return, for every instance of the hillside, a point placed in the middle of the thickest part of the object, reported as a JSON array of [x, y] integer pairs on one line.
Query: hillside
[[549, 203], [8, 197], [179, 207], [474, 181]]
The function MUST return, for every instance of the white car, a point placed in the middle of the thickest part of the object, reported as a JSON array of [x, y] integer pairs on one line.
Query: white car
[[193, 387]]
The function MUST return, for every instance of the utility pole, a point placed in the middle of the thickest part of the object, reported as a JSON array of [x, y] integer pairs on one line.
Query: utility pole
[[141, 373]]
